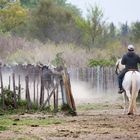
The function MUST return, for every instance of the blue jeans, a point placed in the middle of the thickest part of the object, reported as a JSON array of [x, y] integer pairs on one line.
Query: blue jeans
[[120, 78]]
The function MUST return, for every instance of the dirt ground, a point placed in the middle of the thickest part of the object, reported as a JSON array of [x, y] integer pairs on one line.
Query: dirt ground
[[105, 123]]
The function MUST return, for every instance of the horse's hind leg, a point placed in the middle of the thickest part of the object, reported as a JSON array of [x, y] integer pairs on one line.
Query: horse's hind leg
[[125, 102], [135, 108], [134, 103], [130, 109], [132, 106]]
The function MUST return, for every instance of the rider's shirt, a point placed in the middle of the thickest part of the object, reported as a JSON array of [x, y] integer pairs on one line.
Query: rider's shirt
[[130, 60]]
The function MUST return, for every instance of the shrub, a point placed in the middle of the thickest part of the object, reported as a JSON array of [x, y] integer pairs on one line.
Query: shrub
[[101, 62], [8, 98]]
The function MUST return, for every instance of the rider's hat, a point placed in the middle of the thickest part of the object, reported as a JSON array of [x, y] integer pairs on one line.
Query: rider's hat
[[131, 47]]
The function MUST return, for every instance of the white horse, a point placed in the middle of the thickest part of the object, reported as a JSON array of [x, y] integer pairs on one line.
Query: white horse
[[119, 66], [131, 85]]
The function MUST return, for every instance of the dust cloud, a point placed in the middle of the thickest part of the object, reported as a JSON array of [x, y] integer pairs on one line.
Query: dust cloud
[[83, 92]]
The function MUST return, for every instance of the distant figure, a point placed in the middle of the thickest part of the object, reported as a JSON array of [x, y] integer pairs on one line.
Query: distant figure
[[130, 60]]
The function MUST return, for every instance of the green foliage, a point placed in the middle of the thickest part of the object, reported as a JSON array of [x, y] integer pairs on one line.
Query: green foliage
[[11, 16], [8, 98], [73, 9], [124, 29], [93, 27], [101, 62], [112, 30], [85, 28], [22, 103], [51, 21], [3, 128], [29, 3], [95, 20], [58, 61], [3, 3], [68, 110], [60, 22], [8, 122], [61, 2], [136, 31]]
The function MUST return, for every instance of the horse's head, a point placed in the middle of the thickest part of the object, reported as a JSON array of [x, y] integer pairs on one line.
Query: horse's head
[[119, 67]]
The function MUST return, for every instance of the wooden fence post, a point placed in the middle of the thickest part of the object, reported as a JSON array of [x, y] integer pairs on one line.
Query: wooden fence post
[[69, 96], [29, 105], [34, 88], [51, 93], [42, 91], [2, 93], [9, 86], [19, 89], [64, 101], [56, 99], [37, 95], [14, 92]]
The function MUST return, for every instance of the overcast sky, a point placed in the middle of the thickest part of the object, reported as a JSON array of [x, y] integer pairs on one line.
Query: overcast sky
[[117, 11]]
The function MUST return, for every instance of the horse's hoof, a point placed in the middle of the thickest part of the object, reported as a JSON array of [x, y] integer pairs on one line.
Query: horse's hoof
[[130, 113]]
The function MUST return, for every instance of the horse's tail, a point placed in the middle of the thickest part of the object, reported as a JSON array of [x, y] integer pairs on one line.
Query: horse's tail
[[134, 84]]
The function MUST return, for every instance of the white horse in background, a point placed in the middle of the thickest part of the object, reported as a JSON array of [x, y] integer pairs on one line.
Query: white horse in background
[[119, 66], [131, 85]]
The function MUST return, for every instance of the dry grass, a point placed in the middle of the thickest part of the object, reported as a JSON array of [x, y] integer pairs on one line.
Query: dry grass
[[19, 50]]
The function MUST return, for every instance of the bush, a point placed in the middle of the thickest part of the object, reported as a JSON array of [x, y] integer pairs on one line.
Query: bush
[[101, 62], [8, 98], [22, 103]]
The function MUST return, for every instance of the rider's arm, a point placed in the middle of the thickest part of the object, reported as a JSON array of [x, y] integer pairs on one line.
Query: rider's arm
[[123, 62], [138, 58]]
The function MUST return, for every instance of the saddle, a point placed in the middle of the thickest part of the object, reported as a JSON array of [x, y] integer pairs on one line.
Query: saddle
[[133, 70]]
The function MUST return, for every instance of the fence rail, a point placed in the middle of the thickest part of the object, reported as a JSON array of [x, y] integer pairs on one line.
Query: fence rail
[[36, 85]]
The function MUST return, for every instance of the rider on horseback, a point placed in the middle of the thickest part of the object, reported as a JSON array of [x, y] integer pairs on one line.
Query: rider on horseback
[[130, 60]]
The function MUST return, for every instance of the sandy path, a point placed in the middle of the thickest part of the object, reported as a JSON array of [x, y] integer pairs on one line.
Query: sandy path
[[104, 124]]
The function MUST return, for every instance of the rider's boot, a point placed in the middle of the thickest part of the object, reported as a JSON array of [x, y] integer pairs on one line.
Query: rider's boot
[[121, 90]]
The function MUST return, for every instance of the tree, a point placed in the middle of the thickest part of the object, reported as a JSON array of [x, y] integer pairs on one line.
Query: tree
[[29, 3], [124, 34], [54, 22], [112, 30], [61, 2], [11, 16], [124, 29], [136, 31], [92, 27], [95, 24], [95, 21]]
